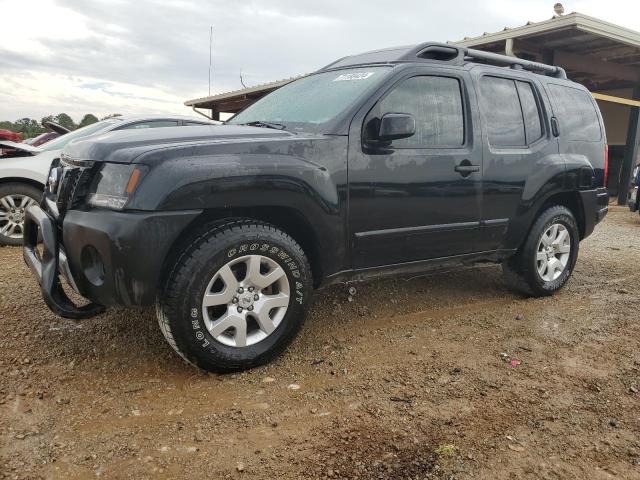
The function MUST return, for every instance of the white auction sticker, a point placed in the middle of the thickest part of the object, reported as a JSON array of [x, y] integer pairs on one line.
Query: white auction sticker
[[353, 76]]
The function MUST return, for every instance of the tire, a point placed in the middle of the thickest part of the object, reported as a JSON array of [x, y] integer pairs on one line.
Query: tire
[[14, 198], [522, 272], [243, 246]]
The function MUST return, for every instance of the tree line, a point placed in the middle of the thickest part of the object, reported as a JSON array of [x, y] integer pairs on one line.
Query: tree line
[[30, 127]]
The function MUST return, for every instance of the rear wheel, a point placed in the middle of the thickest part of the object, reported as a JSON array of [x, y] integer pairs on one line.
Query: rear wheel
[[546, 260], [14, 200], [236, 297]]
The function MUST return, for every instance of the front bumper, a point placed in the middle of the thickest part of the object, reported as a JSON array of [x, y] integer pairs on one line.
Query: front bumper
[[109, 257]]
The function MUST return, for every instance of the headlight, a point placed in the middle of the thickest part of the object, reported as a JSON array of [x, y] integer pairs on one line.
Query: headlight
[[114, 184]]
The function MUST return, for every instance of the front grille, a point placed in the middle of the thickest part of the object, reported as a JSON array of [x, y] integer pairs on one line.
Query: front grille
[[73, 184]]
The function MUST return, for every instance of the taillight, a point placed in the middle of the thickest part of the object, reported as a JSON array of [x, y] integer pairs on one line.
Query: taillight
[[606, 164]]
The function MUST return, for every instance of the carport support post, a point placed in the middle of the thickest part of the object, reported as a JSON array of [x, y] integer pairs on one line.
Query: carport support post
[[631, 150]]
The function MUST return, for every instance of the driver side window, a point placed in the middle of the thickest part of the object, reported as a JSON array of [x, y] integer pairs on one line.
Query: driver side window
[[436, 105]]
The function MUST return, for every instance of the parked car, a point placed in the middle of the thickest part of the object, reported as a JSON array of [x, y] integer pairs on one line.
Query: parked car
[[23, 175], [55, 131], [388, 162], [10, 136], [633, 200]]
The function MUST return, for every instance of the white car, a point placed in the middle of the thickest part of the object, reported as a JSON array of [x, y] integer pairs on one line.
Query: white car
[[23, 173]]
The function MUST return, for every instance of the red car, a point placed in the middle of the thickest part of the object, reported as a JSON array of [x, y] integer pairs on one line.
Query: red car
[[10, 136]]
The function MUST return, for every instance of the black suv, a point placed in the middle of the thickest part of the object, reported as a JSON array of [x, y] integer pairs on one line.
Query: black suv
[[391, 161]]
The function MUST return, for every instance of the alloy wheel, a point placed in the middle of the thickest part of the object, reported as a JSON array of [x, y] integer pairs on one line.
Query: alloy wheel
[[246, 300], [12, 210], [554, 250]]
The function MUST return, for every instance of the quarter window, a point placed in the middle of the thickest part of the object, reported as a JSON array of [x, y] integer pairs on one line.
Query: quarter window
[[435, 103], [576, 113]]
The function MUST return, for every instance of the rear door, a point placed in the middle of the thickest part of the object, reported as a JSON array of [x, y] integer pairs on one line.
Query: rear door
[[518, 149], [410, 200]]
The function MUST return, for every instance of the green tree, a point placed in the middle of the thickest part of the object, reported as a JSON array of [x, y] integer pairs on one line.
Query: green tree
[[88, 119], [28, 127], [65, 120]]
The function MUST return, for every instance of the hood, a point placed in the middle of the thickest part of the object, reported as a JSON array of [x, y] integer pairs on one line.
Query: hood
[[124, 146], [53, 126], [23, 147]]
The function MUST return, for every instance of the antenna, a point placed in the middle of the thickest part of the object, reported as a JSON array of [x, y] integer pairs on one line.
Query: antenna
[[241, 80], [210, 56]]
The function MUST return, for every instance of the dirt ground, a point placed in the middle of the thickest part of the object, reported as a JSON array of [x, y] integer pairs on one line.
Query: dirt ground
[[415, 378]]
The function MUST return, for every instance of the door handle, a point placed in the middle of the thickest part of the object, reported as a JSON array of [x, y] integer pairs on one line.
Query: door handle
[[465, 168], [555, 129]]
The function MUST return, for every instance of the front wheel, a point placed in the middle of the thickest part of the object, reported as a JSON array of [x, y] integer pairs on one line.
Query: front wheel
[[236, 297], [546, 260]]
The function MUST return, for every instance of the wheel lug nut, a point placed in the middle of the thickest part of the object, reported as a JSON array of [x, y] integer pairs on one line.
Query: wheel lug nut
[[239, 309], [235, 300], [250, 308], [256, 297], [241, 290], [251, 289]]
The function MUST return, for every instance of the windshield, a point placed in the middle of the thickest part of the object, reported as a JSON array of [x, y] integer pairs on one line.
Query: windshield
[[313, 100], [60, 142]]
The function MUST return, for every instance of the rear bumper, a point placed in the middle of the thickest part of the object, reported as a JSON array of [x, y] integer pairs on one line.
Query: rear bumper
[[596, 206], [110, 258]]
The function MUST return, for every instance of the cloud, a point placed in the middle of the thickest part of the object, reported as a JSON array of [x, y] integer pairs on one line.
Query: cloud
[[103, 56]]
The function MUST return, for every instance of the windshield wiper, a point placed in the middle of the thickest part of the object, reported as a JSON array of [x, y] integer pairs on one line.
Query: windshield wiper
[[260, 123]]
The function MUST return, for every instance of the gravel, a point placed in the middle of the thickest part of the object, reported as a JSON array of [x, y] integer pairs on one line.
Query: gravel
[[403, 378]]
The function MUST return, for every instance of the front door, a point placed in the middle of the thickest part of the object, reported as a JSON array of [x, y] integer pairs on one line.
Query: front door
[[416, 198]]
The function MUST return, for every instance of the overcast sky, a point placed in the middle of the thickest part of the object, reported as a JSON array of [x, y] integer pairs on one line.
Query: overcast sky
[[149, 56]]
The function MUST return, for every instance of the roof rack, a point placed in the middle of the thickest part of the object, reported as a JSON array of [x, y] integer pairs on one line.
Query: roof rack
[[514, 62], [447, 53], [454, 54]]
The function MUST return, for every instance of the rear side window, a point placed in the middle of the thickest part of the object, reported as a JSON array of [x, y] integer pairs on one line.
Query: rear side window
[[436, 104], [501, 108], [576, 113], [511, 112]]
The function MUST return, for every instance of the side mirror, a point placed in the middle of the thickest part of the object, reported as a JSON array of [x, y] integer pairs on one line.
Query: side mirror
[[394, 126]]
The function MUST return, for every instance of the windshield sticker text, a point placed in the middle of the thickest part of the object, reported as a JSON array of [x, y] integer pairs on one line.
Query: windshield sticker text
[[353, 76]]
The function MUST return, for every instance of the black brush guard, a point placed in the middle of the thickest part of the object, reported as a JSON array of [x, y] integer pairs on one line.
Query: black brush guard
[[46, 267]]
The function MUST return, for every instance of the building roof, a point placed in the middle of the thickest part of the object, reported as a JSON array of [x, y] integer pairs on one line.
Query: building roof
[[238, 99], [594, 52], [585, 24]]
